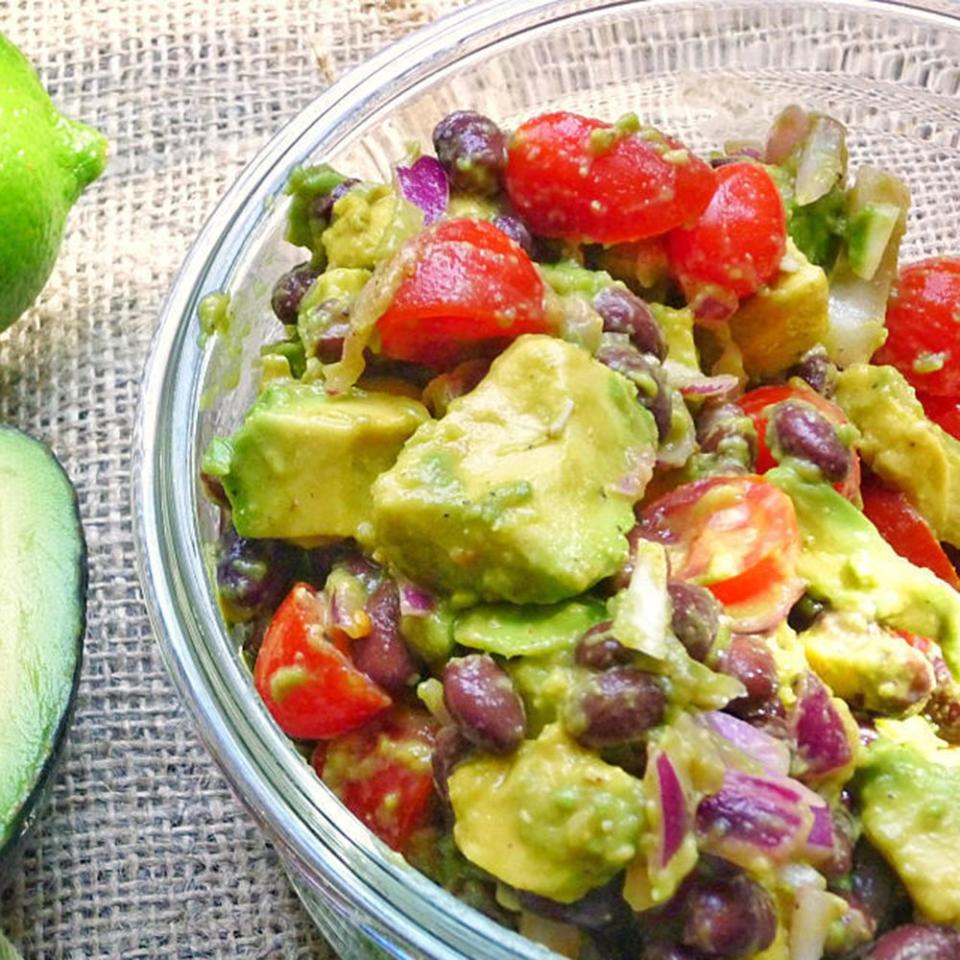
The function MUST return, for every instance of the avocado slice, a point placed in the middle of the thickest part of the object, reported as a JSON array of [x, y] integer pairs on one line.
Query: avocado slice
[[43, 607]]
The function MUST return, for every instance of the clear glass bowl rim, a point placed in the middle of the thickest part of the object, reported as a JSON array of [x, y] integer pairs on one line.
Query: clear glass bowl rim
[[327, 845]]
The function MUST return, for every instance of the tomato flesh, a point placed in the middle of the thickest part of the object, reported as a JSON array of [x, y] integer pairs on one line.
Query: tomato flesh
[[898, 522], [737, 244], [756, 402], [923, 323], [383, 773], [577, 178], [943, 411], [308, 684], [471, 284], [737, 536]]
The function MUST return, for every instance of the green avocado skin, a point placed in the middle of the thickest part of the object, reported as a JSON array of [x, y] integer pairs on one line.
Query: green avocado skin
[[43, 586]]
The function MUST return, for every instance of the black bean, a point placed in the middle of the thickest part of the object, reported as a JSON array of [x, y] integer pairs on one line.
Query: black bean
[[449, 748], [800, 431], [213, 489], [252, 575], [516, 230], [322, 207], [877, 887], [613, 707], [844, 836], [645, 371], [481, 698], [624, 312], [288, 291], [472, 150], [602, 908], [696, 617], [382, 654], [804, 613], [917, 941], [751, 662], [599, 649], [725, 430], [728, 918], [818, 370]]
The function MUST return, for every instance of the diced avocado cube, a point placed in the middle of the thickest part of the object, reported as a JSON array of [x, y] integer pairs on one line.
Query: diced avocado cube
[[302, 463], [518, 492], [910, 814], [780, 323]]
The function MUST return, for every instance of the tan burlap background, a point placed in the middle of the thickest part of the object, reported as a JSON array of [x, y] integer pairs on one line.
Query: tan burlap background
[[143, 851]]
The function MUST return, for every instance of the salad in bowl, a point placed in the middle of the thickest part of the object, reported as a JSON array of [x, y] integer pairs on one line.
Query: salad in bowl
[[592, 534]]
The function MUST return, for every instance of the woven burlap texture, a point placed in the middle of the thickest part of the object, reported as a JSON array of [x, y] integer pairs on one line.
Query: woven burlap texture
[[143, 851]]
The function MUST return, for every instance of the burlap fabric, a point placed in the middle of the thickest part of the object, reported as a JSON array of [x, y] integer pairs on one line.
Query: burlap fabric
[[143, 851]]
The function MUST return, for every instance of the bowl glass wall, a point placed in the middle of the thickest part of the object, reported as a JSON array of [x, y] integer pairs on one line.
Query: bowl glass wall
[[706, 72]]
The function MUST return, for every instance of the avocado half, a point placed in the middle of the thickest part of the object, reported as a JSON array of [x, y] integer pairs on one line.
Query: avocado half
[[43, 592]]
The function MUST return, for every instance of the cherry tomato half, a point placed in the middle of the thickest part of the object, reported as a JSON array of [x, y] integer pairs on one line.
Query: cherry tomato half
[[309, 684], [383, 773], [580, 179], [923, 327], [737, 244], [471, 283], [737, 536], [889, 510], [756, 402]]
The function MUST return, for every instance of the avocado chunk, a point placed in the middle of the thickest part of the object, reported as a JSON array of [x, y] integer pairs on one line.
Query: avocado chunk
[[553, 819], [869, 667], [902, 446], [518, 492], [302, 462], [777, 325], [42, 606], [370, 222], [846, 562], [908, 800], [513, 631]]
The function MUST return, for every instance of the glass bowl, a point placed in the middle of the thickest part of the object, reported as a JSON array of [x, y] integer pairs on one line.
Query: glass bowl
[[706, 72]]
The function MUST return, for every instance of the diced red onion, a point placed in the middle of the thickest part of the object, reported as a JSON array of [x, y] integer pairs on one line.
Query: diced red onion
[[673, 809], [772, 754], [823, 160], [635, 481], [820, 841], [754, 815], [690, 383], [425, 184], [415, 602], [787, 131], [822, 742]]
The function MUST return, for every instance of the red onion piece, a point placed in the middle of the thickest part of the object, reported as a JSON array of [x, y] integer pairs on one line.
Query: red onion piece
[[751, 815], [425, 184], [673, 809], [772, 754], [415, 602], [635, 481], [787, 132], [822, 742], [690, 383], [820, 841]]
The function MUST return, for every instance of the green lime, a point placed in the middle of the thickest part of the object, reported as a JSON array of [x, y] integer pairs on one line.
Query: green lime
[[46, 161]]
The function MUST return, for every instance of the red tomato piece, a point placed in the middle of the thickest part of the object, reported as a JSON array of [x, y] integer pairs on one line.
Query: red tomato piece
[[944, 411], [308, 684], [737, 536], [923, 327], [755, 404], [898, 522], [737, 244], [383, 773], [578, 178], [471, 283]]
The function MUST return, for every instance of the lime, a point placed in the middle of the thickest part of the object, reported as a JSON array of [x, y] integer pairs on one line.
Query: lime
[[46, 161]]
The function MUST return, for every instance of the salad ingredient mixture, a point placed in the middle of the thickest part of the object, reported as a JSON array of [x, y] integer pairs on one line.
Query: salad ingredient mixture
[[594, 533], [43, 599]]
